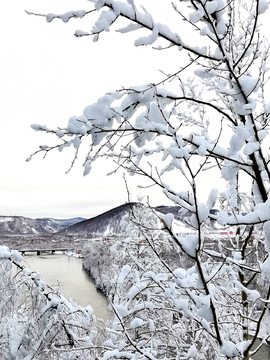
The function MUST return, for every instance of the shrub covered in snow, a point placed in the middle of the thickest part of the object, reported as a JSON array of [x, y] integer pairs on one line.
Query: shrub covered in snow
[[37, 322]]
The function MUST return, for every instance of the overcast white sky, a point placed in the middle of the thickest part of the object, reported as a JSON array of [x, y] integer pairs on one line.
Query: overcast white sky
[[48, 75]]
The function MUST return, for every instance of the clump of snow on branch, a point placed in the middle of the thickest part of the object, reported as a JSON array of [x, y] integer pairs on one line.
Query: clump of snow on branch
[[208, 116]]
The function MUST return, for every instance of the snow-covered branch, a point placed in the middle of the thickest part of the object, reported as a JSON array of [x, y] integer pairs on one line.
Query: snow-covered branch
[[38, 320], [209, 117]]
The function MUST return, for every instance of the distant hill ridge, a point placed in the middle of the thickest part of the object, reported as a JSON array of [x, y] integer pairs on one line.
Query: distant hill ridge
[[107, 223], [19, 225]]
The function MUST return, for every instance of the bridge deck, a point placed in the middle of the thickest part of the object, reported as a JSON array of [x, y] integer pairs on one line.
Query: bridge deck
[[39, 251]]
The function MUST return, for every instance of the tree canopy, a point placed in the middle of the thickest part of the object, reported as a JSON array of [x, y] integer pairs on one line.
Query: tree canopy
[[211, 116]]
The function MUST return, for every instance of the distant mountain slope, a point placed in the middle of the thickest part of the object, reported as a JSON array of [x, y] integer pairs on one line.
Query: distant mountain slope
[[19, 225], [55, 225], [107, 223], [175, 210]]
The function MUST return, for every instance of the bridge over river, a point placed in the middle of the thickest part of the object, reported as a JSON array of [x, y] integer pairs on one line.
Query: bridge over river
[[48, 250]]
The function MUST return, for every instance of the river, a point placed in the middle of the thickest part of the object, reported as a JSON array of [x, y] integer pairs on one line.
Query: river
[[74, 281], [78, 286]]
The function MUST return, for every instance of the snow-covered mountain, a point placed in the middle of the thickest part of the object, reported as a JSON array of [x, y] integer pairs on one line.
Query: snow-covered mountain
[[105, 224], [19, 225], [175, 210], [109, 223], [55, 225]]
